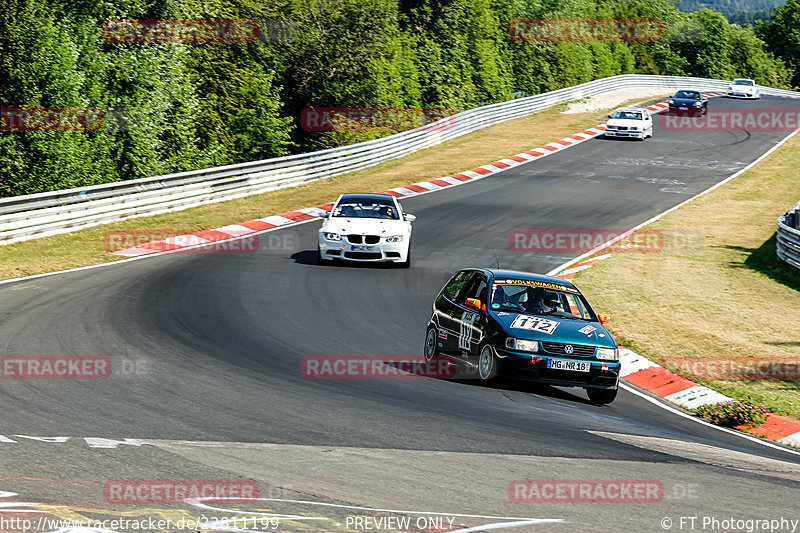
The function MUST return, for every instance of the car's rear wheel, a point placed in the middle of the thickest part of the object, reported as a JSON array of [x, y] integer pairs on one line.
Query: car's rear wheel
[[601, 396], [487, 363], [431, 343]]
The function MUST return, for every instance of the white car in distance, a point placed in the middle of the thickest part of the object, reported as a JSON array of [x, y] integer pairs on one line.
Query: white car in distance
[[630, 122], [744, 88], [366, 227]]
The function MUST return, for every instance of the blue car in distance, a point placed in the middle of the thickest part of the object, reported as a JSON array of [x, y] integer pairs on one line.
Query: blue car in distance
[[524, 326], [688, 101]]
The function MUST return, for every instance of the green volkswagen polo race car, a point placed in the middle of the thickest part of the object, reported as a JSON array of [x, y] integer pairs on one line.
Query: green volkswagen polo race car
[[524, 326]]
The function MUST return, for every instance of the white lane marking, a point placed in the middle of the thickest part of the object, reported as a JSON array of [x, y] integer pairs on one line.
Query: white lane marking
[[671, 209], [708, 454], [517, 521], [5, 507], [98, 442], [678, 412], [44, 439]]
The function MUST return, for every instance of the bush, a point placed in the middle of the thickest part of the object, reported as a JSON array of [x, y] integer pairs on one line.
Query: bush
[[735, 413]]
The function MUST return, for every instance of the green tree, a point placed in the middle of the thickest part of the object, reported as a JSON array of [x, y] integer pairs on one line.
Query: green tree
[[782, 35]]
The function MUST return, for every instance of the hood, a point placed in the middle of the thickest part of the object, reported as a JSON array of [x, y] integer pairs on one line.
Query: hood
[[365, 226], [566, 330], [627, 122]]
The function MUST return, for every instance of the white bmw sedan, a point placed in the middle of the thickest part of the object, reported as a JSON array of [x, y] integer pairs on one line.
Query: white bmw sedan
[[630, 122], [366, 227], [743, 88]]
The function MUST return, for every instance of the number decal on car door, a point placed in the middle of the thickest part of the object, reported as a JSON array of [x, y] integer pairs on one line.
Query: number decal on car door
[[465, 338]]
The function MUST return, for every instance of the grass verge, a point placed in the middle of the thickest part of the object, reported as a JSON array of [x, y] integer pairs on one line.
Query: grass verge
[[726, 295], [86, 247]]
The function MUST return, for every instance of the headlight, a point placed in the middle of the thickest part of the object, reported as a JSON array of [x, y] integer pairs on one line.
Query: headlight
[[610, 354], [522, 344], [394, 238], [698, 104], [671, 101], [333, 236]]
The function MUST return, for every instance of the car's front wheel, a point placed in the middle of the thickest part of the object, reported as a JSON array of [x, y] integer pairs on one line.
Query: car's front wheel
[[431, 343], [407, 262], [601, 396], [487, 363]]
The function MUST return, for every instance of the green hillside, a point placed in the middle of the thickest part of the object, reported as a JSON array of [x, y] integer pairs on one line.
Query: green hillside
[[188, 106]]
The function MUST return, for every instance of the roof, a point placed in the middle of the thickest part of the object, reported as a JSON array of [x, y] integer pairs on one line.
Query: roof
[[516, 274], [367, 196]]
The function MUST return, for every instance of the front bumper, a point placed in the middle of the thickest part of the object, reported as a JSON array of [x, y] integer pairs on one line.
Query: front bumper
[[625, 134], [685, 109], [396, 252], [533, 367], [733, 94]]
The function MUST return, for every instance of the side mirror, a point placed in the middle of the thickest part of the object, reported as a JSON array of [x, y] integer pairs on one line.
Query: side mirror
[[603, 318], [473, 303], [325, 214], [409, 217], [609, 116]]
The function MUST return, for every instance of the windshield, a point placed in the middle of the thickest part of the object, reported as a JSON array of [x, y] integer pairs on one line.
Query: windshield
[[540, 301], [749, 83], [689, 95], [366, 208], [629, 115]]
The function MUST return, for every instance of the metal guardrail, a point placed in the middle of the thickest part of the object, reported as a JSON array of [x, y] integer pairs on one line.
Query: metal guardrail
[[788, 245], [38, 215]]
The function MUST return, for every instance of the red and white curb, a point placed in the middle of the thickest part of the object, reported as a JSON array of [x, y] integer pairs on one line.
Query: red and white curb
[[292, 217], [284, 219], [645, 374]]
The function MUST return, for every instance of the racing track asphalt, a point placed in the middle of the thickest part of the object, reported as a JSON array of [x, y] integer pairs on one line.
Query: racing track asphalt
[[219, 337]]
